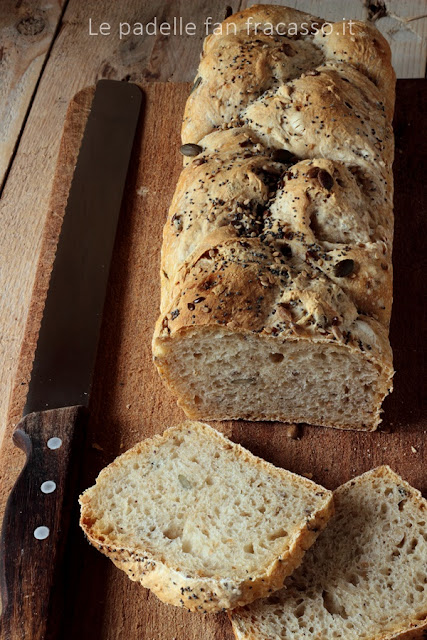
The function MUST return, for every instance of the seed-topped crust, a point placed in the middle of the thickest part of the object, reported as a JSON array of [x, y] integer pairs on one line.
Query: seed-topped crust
[[283, 222]]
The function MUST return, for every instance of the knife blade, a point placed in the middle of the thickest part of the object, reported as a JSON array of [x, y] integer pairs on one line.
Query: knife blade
[[35, 522]]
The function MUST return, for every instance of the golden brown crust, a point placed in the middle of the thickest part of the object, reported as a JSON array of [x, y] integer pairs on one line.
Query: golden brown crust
[[367, 51], [413, 634], [221, 96], [357, 45], [290, 198]]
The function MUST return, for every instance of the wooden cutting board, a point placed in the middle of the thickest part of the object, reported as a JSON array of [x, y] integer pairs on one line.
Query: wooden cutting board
[[129, 403]]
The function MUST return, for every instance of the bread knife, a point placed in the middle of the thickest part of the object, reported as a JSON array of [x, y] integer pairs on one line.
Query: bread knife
[[52, 429]]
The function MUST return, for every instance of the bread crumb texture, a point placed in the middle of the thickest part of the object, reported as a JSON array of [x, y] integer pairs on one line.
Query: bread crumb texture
[[364, 579], [201, 521], [278, 241]]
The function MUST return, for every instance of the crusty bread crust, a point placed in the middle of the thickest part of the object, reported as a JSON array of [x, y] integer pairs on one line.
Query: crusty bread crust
[[195, 591], [250, 234]]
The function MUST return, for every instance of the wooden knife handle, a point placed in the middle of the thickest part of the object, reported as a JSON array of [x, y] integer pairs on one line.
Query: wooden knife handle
[[36, 521]]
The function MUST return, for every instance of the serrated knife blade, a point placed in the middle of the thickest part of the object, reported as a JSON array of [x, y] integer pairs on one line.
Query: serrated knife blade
[[68, 338]]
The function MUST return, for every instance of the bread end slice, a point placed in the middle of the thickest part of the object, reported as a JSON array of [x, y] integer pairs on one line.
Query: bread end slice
[[201, 521]]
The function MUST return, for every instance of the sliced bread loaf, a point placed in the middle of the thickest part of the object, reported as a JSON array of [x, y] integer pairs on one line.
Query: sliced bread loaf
[[201, 521], [364, 579], [276, 272]]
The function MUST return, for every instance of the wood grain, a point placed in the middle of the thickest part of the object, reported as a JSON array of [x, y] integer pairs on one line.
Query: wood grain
[[11, 458], [30, 578], [129, 403], [27, 30]]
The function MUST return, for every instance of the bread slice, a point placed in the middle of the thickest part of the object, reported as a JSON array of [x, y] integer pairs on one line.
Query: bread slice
[[364, 579], [201, 521]]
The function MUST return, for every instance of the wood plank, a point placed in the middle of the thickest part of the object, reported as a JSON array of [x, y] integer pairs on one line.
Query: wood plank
[[129, 402], [405, 27], [26, 33]]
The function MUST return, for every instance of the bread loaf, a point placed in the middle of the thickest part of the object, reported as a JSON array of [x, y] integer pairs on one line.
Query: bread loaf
[[364, 579], [201, 521], [276, 274]]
